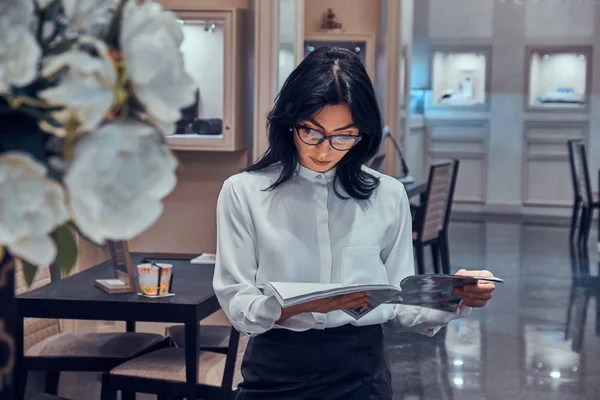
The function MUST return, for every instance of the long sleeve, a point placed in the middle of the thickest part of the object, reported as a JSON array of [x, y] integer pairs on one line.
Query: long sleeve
[[398, 258], [248, 309]]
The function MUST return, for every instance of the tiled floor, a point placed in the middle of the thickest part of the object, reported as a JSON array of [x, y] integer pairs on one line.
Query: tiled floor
[[539, 338]]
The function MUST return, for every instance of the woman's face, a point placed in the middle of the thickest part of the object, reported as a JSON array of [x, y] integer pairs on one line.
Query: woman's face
[[331, 120]]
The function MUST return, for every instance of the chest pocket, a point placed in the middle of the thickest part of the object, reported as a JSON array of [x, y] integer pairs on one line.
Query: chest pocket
[[362, 265]]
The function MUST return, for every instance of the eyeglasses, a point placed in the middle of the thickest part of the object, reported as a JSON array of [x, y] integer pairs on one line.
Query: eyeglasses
[[313, 137]]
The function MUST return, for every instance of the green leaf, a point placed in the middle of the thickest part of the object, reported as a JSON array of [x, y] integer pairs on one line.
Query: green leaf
[[67, 249], [61, 46], [29, 272]]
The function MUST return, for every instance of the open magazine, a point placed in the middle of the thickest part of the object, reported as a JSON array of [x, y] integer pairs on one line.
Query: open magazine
[[429, 290]]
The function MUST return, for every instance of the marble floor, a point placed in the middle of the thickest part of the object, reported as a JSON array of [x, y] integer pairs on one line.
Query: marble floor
[[539, 338]]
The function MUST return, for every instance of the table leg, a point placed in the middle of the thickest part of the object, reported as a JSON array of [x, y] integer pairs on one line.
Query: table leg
[[130, 326], [192, 348], [20, 374]]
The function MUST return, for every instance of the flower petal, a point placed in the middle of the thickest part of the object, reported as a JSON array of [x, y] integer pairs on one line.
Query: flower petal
[[39, 250]]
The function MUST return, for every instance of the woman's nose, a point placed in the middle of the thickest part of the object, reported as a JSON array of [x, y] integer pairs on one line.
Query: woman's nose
[[324, 147]]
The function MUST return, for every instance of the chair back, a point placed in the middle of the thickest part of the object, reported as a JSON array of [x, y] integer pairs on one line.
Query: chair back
[[435, 207], [579, 171], [455, 165], [35, 329], [377, 162]]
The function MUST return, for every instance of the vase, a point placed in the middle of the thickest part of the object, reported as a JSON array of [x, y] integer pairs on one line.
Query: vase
[[8, 317]]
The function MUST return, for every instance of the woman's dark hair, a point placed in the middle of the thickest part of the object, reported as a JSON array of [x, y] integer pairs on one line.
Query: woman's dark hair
[[327, 76]]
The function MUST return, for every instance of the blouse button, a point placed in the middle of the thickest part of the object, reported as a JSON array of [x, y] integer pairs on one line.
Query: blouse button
[[319, 176]]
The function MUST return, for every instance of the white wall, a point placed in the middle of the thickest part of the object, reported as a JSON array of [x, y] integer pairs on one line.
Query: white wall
[[460, 18], [204, 60], [521, 146]]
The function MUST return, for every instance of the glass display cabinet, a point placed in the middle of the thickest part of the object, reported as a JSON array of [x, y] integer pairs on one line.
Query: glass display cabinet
[[362, 44], [212, 51], [558, 78], [460, 77]]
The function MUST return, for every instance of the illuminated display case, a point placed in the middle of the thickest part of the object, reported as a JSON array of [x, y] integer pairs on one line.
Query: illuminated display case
[[212, 51], [558, 78], [460, 77]]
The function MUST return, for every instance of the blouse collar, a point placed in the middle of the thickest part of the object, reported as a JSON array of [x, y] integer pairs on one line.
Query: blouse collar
[[314, 176]]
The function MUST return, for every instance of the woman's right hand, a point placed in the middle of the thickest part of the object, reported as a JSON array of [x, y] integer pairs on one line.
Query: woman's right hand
[[326, 305]]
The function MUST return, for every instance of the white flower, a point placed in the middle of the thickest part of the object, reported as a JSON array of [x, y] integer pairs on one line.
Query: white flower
[[86, 89], [150, 40], [89, 16], [117, 179], [32, 206], [17, 12], [19, 51]]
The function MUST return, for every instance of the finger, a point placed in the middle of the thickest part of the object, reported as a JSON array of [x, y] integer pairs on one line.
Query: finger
[[475, 296], [351, 296], [464, 272], [360, 300], [481, 287], [475, 303]]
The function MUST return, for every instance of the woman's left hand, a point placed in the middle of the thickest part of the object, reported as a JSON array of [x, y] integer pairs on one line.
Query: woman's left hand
[[476, 295]]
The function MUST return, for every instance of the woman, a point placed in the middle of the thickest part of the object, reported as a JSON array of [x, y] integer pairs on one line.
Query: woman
[[310, 211]]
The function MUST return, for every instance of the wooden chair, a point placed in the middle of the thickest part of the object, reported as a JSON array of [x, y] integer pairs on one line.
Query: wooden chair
[[52, 351], [430, 224], [585, 202], [163, 372], [214, 339], [56, 352]]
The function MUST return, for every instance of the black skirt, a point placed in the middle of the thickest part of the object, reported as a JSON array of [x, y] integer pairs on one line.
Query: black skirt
[[345, 363]]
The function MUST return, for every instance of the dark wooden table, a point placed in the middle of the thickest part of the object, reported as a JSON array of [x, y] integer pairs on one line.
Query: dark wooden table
[[76, 297]]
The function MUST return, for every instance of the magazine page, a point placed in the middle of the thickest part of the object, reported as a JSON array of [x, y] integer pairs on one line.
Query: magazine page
[[435, 291]]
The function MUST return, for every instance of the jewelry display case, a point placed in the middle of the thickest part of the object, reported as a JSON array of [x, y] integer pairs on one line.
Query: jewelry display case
[[558, 78], [460, 77], [212, 51]]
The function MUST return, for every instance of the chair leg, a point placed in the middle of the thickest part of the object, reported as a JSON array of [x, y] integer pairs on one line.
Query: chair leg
[[420, 258], [20, 390], [435, 253], [127, 396], [445, 250], [52, 381], [584, 230], [229, 371], [575, 222], [108, 392], [598, 227]]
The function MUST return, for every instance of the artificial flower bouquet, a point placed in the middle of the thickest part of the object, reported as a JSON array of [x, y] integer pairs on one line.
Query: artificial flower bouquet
[[88, 91]]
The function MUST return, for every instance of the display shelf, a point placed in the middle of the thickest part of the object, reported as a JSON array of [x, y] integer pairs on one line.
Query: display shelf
[[212, 51], [460, 77], [558, 78]]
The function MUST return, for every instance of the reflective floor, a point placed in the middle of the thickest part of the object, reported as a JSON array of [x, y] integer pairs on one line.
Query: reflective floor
[[539, 338]]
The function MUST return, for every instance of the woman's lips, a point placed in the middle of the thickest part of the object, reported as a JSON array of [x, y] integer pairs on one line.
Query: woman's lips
[[320, 163]]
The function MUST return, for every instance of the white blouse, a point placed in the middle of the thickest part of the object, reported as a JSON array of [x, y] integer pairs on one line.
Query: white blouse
[[303, 232]]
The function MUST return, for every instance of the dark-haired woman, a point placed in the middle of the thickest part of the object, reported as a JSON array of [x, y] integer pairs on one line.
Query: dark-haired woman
[[310, 211]]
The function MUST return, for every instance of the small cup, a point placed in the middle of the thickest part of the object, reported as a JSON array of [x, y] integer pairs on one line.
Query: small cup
[[150, 282]]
